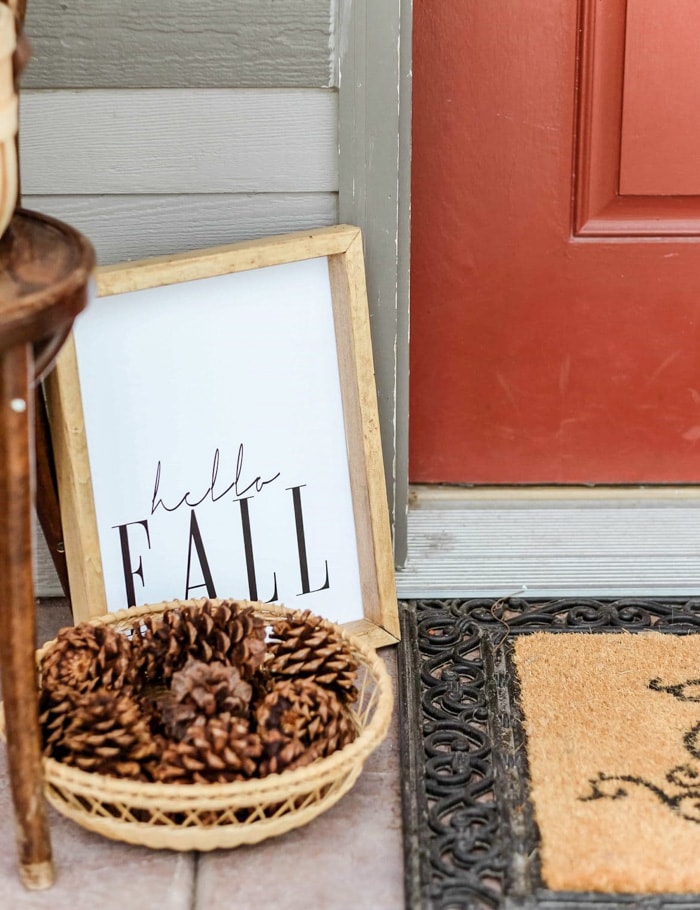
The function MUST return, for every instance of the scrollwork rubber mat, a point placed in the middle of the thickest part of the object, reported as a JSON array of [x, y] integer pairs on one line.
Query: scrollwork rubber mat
[[547, 768]]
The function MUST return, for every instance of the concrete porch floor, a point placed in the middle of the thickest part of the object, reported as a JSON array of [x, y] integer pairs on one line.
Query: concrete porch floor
[[350, 858]]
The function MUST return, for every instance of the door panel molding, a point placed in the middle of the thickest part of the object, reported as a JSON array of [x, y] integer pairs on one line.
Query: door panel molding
[[600, 209]]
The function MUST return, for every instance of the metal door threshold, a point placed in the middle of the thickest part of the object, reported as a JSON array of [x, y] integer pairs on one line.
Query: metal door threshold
[[553, 546]]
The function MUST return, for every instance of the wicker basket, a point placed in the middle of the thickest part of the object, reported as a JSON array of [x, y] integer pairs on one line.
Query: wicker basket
[[211, 816]]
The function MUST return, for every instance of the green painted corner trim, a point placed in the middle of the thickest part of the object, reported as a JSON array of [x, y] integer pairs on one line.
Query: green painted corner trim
[[374, 85]]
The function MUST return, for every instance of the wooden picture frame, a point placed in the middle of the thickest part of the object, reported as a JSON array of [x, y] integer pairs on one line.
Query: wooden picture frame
[[264, 310]]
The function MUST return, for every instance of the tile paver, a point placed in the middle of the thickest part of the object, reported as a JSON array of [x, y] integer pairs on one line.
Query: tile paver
[[92, 872]]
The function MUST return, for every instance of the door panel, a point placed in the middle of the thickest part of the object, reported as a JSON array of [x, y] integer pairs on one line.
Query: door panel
[[555, 318], [660, 127]]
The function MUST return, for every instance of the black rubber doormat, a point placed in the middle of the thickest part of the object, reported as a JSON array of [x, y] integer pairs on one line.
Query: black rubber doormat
[[471, 839]]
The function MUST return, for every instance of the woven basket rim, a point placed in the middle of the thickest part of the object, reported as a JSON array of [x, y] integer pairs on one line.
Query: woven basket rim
[[277, 785]]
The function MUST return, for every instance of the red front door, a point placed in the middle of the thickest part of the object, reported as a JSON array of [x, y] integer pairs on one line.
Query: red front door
[[555, 302]]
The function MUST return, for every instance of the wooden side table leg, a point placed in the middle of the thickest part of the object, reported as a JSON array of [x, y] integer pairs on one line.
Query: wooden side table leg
[[47, 507], [18, 616]]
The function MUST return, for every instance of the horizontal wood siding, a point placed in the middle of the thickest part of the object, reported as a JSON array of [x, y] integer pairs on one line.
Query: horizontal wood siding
[[174, 224], [179, 141], [176, 43]]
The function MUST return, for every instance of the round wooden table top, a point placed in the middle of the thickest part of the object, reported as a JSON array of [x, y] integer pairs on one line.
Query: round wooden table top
[[45, 269]]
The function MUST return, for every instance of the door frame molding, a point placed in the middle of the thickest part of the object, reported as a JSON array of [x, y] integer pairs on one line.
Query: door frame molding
[[374, 55]]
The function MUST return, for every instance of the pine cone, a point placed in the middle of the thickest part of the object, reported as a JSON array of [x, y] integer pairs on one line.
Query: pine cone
[[300, 721], [87, 657], [226, 633], [213, 750], [305, 645], [143, 650], [56, 711], [205, 690], [99, 731]]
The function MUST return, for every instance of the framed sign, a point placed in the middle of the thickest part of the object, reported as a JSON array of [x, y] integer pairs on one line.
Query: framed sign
[[215, 429]]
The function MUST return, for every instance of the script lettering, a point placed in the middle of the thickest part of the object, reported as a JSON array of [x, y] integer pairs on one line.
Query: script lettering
[[237, 486]]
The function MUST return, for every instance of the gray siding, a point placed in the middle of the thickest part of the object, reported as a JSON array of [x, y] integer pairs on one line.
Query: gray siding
[[176, 43], [176, 223], [114, 142]]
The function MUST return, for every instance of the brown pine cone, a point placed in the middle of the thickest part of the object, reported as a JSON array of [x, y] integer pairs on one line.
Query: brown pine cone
[[87, 657], [218, 749], [100, 731], [226, 633], [144, 653], [304, 645], [300, 721], [201, 689], [56, 710], [246, 633]]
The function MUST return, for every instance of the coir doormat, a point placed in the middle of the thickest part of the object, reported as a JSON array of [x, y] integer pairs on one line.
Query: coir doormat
[[551, 753]]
